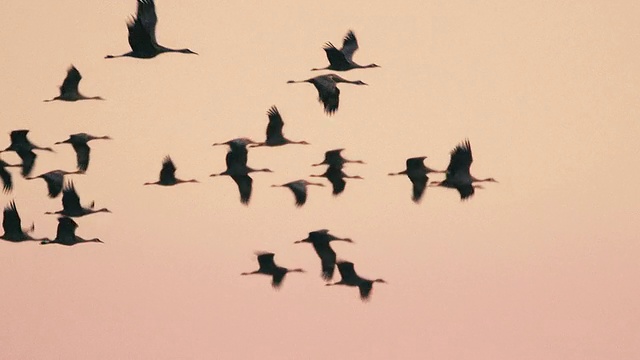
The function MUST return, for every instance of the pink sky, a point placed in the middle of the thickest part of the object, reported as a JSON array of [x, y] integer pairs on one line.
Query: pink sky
[[543, 265]]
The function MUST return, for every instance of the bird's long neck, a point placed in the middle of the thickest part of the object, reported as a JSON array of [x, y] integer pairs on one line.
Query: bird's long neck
[[117, 56], [296, 270], [324, 68], [54, 99], [153, 183], [403, 172], [251, 273]]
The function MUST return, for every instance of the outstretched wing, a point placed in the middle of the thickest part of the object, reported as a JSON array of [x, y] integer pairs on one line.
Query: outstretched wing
[[70, 83], [244, 183], [70, 198], [349, 45], [274, 129], [336, 57], [28, 161], [7, 183], [11, 223], [328, 94], [461, 159], [419, 185], [167, 174], [82, 155]]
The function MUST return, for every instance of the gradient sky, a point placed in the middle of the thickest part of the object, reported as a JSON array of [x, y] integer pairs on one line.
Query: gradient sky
[[543, 265]]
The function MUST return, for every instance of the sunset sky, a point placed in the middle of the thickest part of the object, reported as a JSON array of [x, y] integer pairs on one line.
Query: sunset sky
[[542, 265]]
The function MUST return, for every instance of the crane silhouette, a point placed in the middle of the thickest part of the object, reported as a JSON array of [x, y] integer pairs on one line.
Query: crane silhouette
[[299, 189], [334, 158], [458, 172], [69, 88], [328, 92], [320, 240], [417, 173], [237, 169], [66, 234], [12, 226], [269, 267], [350, 278], [336, 177], [54, 180], [168, 175], [24, 148], [142, 34], [80, 145], [240, 174], [342, 60], [274, 131], [238, 152], [71, 204], [7, 181]]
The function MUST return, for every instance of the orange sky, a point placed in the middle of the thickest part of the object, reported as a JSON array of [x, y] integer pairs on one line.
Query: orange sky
[[542, 265]]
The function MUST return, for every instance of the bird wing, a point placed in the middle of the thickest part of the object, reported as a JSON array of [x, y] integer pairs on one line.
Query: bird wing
[[70, 83], [28, 161], [336, 177], [328, 93], [70, 198], [461, 159], [327, 258], [11, 223], [244, 183], [66, 231], [277, 277], [415, 162], [299, 191], [236, 157], [349, 45], [266, 262], [168, 172], [334, 157], [82, 155], [419, 185], [365, 290], [142, 28], [7, 183], [336, 57], [466, 191], [274, 128], [19, 136], [54, 182], [346, 270]]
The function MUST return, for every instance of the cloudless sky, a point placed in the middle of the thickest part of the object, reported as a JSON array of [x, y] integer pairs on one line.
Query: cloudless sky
[[542, 265]]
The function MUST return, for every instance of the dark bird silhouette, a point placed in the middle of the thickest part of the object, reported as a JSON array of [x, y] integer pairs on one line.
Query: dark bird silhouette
[[417, 173], [350, 278], [142, 34], [274, 131], [66, 234], [240, 174], [168, 175], [24, 148], [12, 226], [334, 159], [269, 267], [458, 174], [328, 92], [69, 88], [54, 180], [7, 182], [336, 177], [238, 152], [320, 240], [299, 188], [71, 203], [342, 60], [81, 147]]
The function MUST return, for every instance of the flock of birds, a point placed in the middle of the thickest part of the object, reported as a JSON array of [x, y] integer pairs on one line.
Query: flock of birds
[[144, 45]]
